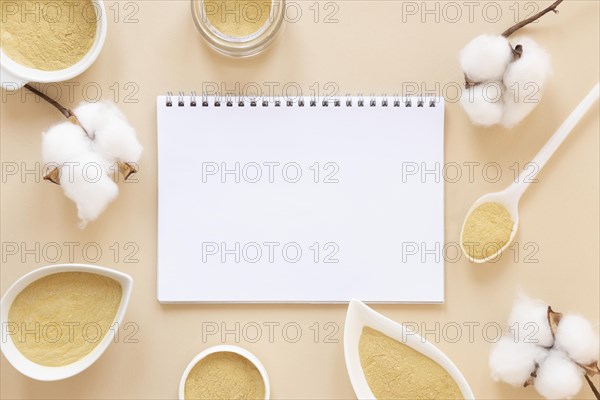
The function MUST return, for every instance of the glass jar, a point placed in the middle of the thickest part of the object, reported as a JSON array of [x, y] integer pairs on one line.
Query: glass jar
[[238, 28]]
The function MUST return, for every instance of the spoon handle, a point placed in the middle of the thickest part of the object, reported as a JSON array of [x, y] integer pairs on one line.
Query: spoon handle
[[526, 177]]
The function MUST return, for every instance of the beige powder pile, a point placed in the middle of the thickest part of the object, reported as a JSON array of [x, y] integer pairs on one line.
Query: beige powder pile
[[45, 34], [62, 317], [396, 371], [486, 230], [224, 375], [237, 18]]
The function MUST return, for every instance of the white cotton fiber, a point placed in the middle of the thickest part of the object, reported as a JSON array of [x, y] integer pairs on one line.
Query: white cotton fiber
[[576, 337], [524, 80], [93, 115], [513, 362], [528, 320], [558, 377], [483, 103], [87, 181], [114, 138], [485, 58], [62, 142]]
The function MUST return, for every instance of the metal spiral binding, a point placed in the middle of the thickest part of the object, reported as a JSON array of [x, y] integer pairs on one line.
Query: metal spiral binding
[[348, 100]]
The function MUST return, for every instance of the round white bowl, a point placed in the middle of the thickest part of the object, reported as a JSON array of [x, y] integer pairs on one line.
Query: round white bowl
[[14, 75], [41, 372], [231, 349]]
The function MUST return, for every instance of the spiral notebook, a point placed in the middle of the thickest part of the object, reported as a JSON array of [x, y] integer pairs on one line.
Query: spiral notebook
[[304, 200]]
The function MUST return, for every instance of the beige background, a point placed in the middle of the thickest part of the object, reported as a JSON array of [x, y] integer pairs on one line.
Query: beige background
[[369, 50]]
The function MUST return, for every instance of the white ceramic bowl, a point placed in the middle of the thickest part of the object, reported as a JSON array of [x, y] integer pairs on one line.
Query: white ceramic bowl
[[41, 372], [14, 75], [359, 316], [225, 348]]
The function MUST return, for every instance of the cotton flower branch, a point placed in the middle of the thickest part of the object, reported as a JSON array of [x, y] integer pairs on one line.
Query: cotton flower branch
[[86, 148], [127, 169], [545, 349], [503, 84]]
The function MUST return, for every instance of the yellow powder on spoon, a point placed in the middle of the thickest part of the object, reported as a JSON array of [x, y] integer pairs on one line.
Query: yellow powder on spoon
[[487, 229], [62, 317], [45, 34], [237, 18], [396, 371], [224, 375]]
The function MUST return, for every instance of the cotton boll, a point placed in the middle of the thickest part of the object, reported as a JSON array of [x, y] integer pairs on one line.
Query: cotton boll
[[86, 180], [534, 65], [483, 103], [94, 115], [576, 336], [485, 58], [529, 321], [63, 142], [524, 80], [513, 362], [116, 140], [558, 377]]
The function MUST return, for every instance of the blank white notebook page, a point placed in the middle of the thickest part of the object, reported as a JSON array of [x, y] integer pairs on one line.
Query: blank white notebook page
[[295, 203]]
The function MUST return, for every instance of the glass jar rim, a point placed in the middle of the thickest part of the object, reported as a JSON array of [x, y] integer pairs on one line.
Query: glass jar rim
[[241, 46]]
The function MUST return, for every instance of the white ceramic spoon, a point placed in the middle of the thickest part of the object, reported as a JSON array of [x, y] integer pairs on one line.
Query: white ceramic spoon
[[509, 197]]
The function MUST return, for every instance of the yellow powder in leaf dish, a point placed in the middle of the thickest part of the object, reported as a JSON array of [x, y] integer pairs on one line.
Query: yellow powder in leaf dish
[[237, 18], [224, 375], [45, 34], [62, 317], [487, 229], [396, 371]]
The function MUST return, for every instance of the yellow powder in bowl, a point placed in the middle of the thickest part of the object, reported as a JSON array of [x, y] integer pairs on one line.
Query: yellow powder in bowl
[[224, 375], [487, 229], [237, 18], [45, 34], [396, 371], [62, 317]]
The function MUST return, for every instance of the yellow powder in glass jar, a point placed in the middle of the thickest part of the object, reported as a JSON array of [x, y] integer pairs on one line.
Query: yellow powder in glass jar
[[224, 375], [237, 18], [62, 317], [396, 371], [45, 34], [487, 229]]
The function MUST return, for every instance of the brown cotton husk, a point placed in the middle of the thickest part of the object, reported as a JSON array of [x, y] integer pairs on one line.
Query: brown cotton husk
[[591, 369], [553, 319], [517, 52], [127, 169], [531, 379], [53, 176]]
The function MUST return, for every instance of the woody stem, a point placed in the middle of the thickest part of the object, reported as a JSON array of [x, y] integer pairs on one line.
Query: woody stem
[[63, 110], [531, 19], [589, 381]]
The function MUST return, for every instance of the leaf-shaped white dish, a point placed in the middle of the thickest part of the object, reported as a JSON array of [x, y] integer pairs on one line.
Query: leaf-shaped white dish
[[359, 316], [45, 373]]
